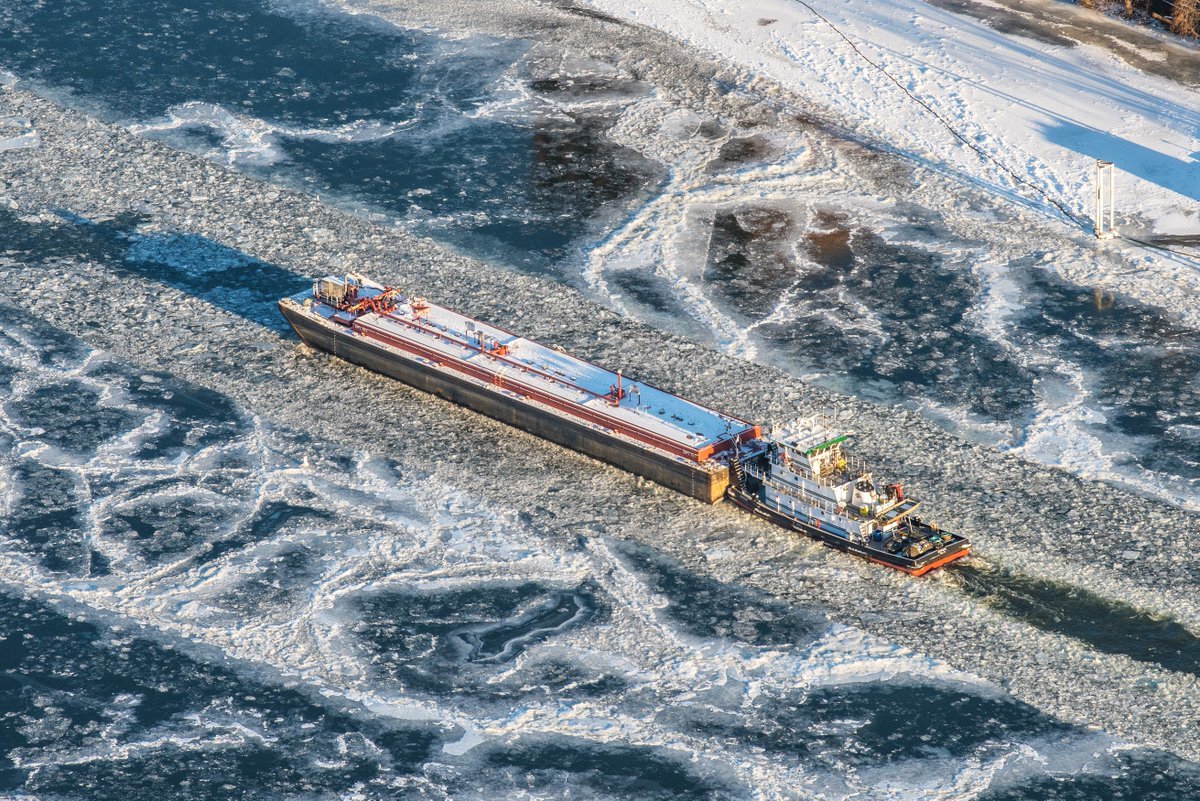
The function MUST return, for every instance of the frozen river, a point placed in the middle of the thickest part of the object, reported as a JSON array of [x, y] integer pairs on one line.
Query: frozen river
[[235, 568]]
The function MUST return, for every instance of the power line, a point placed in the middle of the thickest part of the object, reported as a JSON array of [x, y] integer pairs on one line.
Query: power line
[[980, 151], [933, 113], [1159, 246]]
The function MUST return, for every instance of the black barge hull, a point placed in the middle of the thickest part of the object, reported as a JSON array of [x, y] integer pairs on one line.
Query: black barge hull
[[706, 483]]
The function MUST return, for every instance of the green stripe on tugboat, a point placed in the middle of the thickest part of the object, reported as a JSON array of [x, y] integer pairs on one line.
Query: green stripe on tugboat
[[827, 444]]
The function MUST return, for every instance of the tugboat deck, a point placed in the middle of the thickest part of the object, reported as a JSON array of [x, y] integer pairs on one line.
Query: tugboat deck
[[904, 508]]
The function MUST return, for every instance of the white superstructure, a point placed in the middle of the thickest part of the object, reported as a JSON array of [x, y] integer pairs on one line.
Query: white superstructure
[[806, 474]]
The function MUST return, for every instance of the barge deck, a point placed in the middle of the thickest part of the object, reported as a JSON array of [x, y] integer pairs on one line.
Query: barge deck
[[540, 389]]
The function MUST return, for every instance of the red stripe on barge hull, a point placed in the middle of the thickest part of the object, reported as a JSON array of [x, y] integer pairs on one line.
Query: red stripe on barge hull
[[425, 329], [751, 432]]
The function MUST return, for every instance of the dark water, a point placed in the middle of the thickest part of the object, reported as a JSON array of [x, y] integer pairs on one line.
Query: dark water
[[897, 322], [1138, 777], [877, 723], [95, 713], [711, 609], [430, 641], [157, 514], [1105, 626], [606, 772], [891, 318], [399, 120], [222, 276], [1146, 367]]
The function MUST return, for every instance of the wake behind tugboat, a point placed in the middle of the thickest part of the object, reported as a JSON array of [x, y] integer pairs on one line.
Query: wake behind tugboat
[[800, 479]]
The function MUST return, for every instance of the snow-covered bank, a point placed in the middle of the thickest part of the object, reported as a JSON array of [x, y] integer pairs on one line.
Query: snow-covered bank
[[1044, 110]]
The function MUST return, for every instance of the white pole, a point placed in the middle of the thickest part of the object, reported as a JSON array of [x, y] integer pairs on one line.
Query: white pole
[[1106, 200], [1112, 197]]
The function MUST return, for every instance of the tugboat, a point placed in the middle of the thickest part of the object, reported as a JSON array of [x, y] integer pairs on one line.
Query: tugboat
[[802, 479]]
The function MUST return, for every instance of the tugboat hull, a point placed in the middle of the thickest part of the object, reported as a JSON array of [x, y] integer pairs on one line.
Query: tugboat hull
[[957, 548]]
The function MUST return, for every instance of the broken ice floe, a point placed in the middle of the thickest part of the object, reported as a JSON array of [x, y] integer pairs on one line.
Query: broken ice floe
[[17, 133]]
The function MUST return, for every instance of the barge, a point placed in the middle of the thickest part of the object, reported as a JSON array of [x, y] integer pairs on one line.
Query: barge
[[629, 424]]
